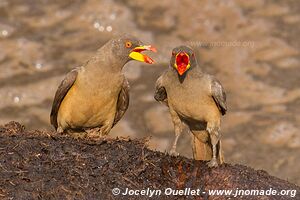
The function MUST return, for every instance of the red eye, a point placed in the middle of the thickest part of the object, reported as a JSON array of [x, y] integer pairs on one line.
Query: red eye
[[193, 55], [173, 53], [128, 44]]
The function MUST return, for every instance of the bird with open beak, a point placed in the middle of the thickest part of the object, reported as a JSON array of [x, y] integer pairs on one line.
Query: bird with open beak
[[196, 99], [95, 96]]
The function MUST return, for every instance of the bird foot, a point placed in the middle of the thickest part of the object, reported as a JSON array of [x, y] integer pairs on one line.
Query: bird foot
[[94, 133], [212, 163], [173, 152], [96, 137], [60, 130], [77, 135]]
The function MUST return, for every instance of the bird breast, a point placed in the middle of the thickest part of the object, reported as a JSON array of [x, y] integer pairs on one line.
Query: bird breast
[[91, 103], [192, 99]]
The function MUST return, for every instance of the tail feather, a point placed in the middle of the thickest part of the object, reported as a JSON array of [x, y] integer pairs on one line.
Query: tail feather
[[202, 148]]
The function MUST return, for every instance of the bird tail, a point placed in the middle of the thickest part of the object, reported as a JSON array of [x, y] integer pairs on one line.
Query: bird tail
[[202, 148]]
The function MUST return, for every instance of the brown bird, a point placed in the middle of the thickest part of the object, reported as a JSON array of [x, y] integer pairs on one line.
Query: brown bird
[[196, 99], [94, 97]]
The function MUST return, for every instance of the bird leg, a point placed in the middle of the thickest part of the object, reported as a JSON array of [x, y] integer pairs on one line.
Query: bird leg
[[214, 138], [178, 130], [177, 135]]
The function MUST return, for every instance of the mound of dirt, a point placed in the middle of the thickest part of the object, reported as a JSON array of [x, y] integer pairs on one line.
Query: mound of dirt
[[44, 165]]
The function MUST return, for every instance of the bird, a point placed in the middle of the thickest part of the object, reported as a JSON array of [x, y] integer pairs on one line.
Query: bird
[[94, 97], [195, 99]]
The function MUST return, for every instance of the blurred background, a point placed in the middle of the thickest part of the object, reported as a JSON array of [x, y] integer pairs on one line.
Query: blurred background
[[252, 47]]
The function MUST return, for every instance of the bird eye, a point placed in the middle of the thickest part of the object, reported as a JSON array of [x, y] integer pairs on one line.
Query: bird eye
[[193, 55], [128, 44], [173, 53]]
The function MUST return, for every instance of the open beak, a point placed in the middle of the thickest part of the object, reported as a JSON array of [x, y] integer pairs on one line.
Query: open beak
[[137, 55], [182, 63]]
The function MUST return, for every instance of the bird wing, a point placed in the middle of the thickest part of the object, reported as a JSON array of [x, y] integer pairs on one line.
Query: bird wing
[[160, 94], [219, 95], [123, 102], [60, 94]]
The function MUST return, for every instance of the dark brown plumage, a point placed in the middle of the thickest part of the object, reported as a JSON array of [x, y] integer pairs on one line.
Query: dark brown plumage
[[123, 102], [61, 92]]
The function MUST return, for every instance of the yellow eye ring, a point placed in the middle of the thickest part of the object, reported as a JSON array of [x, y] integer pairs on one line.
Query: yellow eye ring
[[128, 44]]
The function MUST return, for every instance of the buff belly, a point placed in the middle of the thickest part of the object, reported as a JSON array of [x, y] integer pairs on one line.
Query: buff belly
[[83, 109], [194, 105]]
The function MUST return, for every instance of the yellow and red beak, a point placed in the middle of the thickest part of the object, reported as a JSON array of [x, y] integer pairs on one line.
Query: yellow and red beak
[[182, 63], [137, 55]]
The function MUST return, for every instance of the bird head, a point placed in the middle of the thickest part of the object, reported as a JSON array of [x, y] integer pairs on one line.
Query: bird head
[[183, 58], [129, 48]]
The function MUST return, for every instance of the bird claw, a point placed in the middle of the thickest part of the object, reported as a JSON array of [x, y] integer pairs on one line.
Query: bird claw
[[96, 137], [212, 163], [77, 135], [93, 133], [60, 130], [173, 152]]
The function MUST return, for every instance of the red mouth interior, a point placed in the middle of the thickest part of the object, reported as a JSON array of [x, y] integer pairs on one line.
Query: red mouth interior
[[149, 48], [146, 58], [182, 61], [138, 50]]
